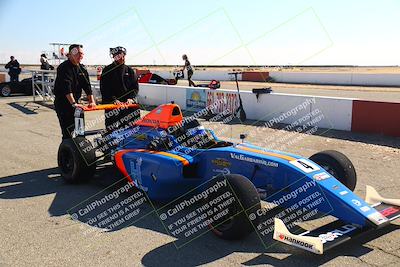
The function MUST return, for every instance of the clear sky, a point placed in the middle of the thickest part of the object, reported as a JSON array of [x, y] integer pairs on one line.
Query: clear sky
[[210, 32]]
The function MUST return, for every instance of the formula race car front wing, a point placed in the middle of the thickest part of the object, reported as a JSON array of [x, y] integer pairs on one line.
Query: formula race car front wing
[[335, 233]]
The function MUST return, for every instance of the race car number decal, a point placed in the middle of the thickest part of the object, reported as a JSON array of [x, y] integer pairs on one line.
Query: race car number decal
[[305, 165]]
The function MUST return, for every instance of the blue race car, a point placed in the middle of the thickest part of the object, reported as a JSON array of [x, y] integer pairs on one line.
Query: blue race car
[[168, 156]]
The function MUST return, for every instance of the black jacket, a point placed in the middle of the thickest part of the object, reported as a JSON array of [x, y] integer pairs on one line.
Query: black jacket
[[71, 79], [188, 66], [13, 67], [118, 82], [45, 65]]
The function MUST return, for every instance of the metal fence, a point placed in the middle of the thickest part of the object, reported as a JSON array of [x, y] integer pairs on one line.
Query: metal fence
[[43, 85]]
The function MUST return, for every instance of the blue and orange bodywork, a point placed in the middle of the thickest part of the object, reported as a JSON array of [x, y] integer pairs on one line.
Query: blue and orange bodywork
[[168, 174]]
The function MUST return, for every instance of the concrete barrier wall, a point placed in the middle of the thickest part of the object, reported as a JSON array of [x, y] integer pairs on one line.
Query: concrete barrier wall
[[334, 113], [3, 77], [4, 73], [280, 108], [213, 75], [376, 117], [337, 113], [201, 75], [253, 76], [155, 94], [384, 79], [288, 108], [362, 79]]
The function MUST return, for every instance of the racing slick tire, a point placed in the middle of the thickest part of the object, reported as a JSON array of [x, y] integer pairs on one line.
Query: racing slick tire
[[5, 91], [76, 164], [236, 225], [338, 165]]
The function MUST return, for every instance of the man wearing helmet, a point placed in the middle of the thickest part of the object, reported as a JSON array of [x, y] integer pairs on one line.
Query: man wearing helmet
[[118, 84]]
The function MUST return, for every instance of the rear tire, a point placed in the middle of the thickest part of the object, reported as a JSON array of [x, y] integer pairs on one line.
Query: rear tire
[[76, 160], [5, 91], [338, 165], [236, 225]]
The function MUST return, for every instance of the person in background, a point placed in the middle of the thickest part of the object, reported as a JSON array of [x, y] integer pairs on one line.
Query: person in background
[[45, 65], [119, 84], [189, 69], [13, 69], [72, 77]]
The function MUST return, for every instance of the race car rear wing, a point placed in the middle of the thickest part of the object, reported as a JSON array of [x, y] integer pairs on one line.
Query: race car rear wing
[[333, 234]]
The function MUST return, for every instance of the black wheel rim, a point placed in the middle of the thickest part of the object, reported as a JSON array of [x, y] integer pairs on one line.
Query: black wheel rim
[[6, 91]]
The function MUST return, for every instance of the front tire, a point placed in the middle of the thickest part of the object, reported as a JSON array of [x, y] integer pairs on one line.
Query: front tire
[[76, 160], [338, 165], [236, 225]]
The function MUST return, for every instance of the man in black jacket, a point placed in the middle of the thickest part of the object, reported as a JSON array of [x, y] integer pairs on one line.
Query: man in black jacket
[[14, 69], [118, 84], [71, 78], [44, 63]]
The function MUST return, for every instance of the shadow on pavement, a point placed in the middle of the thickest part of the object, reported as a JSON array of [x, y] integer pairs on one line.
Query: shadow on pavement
[[354, 248], [208, 249], [49, 181], [25, 107]]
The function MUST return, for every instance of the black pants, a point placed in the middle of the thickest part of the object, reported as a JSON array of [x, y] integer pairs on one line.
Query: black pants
[[14, 77], [65, 114], [190, 74]]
